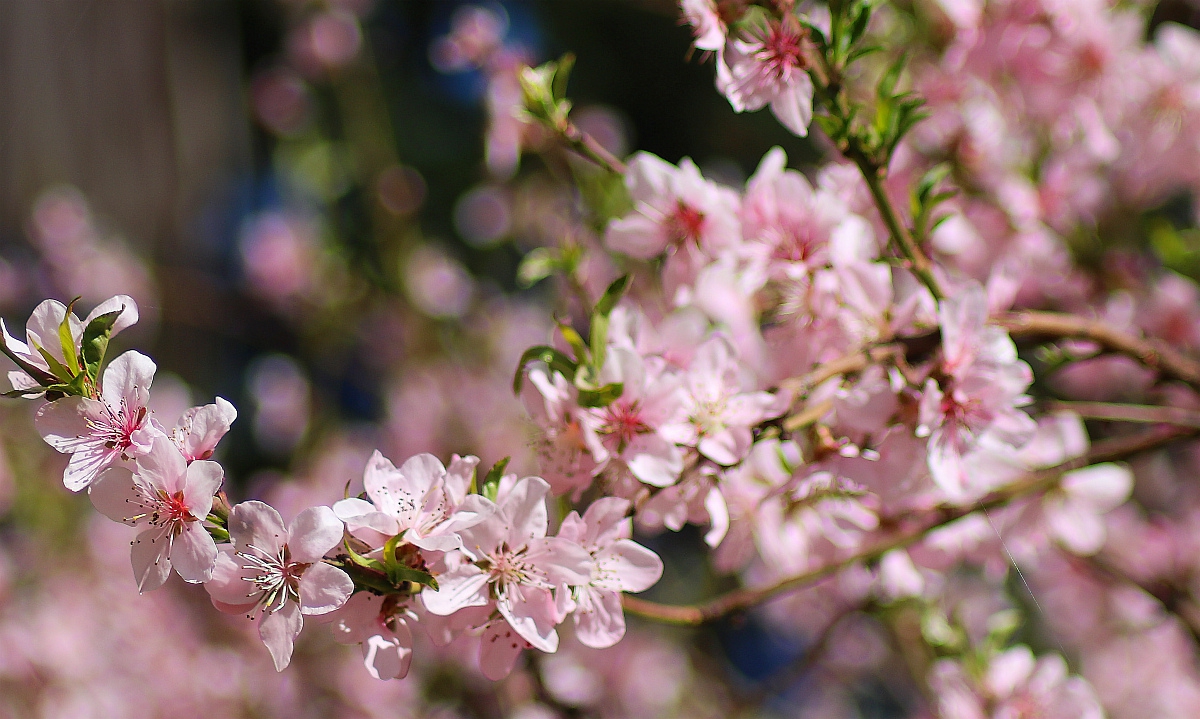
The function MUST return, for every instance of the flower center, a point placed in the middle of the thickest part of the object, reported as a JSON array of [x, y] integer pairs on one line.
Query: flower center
[[276, 580], [622, 422], [685, 224], [782, 51]]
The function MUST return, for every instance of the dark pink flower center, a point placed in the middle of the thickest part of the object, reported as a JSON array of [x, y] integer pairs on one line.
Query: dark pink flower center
[[782, 50], [685, 224], [622, 422]]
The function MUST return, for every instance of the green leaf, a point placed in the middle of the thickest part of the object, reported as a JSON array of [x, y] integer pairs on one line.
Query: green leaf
[[362, 561], [562, 72], [582, 355], [613, 295], [887, 84], [95, 342], [491, 482], [599, 341], [858, 25], [402, 573], [602, 396], [23, 392], [536, 266], [556, 360], [67, 339], [56, 367]]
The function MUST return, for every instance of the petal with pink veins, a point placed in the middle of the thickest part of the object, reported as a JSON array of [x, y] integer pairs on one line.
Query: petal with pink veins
[[312, 533], [193, 553], [278, 631], [324, 588]]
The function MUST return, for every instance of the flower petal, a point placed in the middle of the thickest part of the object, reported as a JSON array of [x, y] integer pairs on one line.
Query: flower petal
[[114, 495], [258, 525], [312, 533], [203, 480], [628, 567], [150, 556], [324, 588], [278, 631], [498, 651], [193, 554], [388, 656], [127, 381], [463, 586], [602, 623]]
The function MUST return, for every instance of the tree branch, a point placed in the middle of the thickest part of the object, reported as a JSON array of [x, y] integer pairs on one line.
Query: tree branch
[[1115, 412], [1032, 483], [589, 147], [1155, 354]]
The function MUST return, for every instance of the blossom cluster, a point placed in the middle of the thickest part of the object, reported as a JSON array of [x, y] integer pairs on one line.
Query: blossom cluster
[[425, 542]]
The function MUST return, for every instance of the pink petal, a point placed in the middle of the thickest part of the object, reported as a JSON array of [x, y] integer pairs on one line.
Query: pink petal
[[463, 586], [356, 620], [312, 533], [531, 613], [227, 587], [563, 561], [458, 477], [150, 559], [113, 494], [525, 508], [421, 472], [127, 318], [163, 467], [127, 381], [65, 424], [628, 567], [388, 655], [193, 554], [654, 461], [324, 588], [86, 465], [256, 524], [278, 631], [390, 490], [498, 651], [205, 427], [603, 623], [607, 520], [42, 328], [203, 479], [793, 106]]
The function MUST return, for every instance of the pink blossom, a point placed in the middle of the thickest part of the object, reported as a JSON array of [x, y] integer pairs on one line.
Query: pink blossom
[[1075, 513], [768, 66], [982, 386], [423, 500], [719, 411], [275, 573], [509, 560], [381, 626], [675, 210], [168, 499], [100, 433], [708, 25], [619, 565], [201, 428], [1015, 685], [41, 331], [563, 455]]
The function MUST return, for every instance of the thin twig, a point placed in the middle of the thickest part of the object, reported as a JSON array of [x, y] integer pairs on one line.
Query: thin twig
[[1152, 353], [1032, 483], [589, 147], [1114, 412]]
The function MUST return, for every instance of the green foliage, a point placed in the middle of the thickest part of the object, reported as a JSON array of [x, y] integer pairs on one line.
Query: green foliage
[[544, 90], [491, 482], [584, 369]]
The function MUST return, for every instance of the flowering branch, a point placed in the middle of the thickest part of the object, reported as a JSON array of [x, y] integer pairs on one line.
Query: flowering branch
[[1154, 354], [1032, 483]]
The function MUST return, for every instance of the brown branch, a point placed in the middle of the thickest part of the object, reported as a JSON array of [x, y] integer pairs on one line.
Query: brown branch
[[1032, 483], [1153, 353], [1114, 412]]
